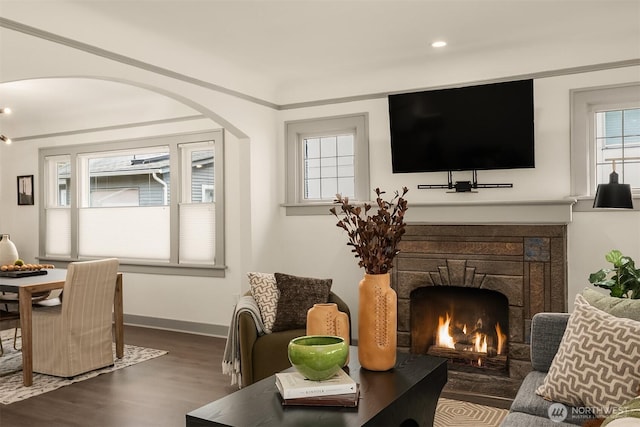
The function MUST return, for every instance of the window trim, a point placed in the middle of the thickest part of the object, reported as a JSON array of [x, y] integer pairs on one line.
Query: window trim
[[143, 266], [295, 131], [583, 103]]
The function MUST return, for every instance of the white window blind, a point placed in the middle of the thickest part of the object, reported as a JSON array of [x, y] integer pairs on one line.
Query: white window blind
[[129, 232], [197, 233], [58, 233]]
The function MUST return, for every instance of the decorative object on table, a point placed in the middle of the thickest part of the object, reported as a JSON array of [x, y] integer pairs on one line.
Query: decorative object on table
[[375, 238], [625, 280], [25, 190], [326, 319], [341, 400], [293, 385], [20, 269], [8, 251], [318, 357]]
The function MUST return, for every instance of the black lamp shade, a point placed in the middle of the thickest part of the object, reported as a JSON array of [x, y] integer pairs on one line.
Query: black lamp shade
[[613, 194]]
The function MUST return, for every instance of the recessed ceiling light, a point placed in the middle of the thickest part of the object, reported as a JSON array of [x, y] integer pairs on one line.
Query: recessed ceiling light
[[439, 43]]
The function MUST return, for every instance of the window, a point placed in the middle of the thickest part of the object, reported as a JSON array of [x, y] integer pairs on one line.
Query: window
[[605, 126], [328, 167], [617, 139], [148, 202], [325, 157]]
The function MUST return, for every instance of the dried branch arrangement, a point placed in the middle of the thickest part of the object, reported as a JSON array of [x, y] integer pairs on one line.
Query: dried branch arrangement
[[374, 237]]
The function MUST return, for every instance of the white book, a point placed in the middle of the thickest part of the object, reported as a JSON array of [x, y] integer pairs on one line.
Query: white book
[[292, 385]]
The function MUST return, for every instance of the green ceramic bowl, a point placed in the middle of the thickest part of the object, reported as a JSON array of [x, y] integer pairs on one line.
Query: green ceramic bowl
[[318, 357]]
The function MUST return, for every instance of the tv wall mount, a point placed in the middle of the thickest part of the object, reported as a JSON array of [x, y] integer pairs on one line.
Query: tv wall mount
[[462, 186]]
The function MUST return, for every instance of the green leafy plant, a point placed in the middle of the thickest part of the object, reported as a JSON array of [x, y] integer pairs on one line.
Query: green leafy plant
[[623, 280], [374, 234]]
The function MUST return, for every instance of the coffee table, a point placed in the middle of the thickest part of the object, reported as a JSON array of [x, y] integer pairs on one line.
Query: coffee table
[[405, 395]]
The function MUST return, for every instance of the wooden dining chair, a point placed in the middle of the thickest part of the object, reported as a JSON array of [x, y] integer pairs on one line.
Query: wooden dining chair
[[76, 336]]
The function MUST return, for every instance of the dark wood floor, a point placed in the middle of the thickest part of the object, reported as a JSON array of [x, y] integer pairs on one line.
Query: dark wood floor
[[158, 392]]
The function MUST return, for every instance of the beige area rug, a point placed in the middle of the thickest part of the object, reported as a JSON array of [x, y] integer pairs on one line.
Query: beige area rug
[[12, 390], [454, 413]]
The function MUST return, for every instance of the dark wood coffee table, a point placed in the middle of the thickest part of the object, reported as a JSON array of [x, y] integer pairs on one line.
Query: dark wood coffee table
[[405, 395]]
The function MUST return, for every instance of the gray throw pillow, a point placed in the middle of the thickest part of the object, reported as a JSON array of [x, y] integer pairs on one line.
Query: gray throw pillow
[[297, 296], [619, 307]]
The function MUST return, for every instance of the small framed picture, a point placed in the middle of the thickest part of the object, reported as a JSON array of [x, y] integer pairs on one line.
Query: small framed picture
[[25, 190]]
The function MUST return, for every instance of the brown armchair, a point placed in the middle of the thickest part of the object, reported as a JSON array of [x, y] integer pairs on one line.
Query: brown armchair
[[264, 355]]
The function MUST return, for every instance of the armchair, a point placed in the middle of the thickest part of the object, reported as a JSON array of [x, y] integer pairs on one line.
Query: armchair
[[264, 355]]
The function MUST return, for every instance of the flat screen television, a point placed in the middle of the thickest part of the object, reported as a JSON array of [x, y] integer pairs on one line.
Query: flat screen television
[[468, 128]]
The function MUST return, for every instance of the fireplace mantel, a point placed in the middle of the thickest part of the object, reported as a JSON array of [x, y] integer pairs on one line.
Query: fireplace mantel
[[492, 212]]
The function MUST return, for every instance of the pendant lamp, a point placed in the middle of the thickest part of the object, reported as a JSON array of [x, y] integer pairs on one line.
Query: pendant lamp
[[613, 194]]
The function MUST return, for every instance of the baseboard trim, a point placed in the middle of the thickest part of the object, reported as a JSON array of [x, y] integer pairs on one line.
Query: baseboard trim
[[177, 325]]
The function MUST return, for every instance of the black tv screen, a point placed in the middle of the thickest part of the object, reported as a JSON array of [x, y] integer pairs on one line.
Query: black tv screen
[[469, 128]]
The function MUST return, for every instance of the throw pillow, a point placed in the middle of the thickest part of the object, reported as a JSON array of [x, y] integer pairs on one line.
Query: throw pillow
[[297, 296], [265, 292], [596, 365], [619, 307]]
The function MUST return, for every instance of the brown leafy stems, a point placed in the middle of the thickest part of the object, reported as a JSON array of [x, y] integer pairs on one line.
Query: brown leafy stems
[[374, 237]]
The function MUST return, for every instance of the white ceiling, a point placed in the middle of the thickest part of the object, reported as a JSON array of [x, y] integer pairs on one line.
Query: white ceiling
[[297, 51]]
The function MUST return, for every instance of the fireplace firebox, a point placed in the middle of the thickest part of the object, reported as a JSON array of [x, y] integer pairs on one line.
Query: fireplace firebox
[[467, 326]]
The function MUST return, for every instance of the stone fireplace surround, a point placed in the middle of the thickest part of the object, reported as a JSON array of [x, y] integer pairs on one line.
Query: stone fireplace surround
[[524, 262]]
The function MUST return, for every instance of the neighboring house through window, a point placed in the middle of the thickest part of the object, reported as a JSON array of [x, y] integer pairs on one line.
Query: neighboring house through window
[[150, 201], [325, 157]]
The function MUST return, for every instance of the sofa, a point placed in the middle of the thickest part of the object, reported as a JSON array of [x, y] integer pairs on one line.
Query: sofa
[[529, 409], [620, 316]]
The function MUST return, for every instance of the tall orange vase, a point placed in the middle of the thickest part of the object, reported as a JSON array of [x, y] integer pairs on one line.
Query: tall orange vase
[[377, 323]]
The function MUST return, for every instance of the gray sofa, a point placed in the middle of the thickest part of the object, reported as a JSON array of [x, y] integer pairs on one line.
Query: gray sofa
[[528, 409]]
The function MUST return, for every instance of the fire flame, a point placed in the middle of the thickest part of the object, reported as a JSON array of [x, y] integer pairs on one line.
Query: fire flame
[[444, 338]]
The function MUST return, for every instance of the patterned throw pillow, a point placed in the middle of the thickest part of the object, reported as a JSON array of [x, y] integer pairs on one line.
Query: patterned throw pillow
[[597, 363], [297, 296], [265, 292]]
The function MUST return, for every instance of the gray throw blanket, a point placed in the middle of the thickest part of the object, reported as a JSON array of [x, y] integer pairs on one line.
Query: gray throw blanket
[[231, 358]]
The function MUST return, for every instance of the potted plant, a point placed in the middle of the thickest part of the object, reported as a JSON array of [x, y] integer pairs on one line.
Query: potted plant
[[374, 234], [625, 280]]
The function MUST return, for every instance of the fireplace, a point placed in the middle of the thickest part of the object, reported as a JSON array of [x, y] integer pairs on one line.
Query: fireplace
[[516, 270], [467, 326]]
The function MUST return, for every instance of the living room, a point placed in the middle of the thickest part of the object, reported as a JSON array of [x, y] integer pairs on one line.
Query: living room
[[579, 45]]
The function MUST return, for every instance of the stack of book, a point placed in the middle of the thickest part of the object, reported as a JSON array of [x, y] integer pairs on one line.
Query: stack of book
[[296, 390]]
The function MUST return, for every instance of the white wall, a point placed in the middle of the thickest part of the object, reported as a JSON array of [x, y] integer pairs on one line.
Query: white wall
[[314, 245], [260, 237], [250, 173]]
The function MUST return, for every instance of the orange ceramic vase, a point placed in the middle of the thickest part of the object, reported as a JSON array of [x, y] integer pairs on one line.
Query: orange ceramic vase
[[377, 323], [326, 319]]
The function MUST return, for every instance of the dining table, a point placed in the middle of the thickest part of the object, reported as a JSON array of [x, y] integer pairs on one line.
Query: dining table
[[54, 278]]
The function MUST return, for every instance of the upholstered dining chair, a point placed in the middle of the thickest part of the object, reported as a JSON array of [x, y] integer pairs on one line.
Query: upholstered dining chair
[[76, 336]]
